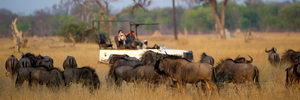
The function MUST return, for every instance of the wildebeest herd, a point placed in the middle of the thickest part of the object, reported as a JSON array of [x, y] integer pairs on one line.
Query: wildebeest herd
[[39, 70], [153, 68]]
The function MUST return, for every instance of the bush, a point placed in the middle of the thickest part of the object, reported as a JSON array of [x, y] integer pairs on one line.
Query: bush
[[291, 15], [77, 32]]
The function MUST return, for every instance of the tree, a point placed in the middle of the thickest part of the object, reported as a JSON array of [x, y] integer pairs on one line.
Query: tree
[[6, 17], [174, 20], [202, 20], [18, 36], [219, 18], [76, 32], [291, 15]]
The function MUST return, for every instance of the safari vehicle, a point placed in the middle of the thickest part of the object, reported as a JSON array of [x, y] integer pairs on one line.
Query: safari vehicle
[[107, 50]]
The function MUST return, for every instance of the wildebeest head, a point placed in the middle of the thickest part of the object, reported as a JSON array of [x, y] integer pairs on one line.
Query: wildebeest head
[[291, 56], [223, 64], [33, 59], [148, 57], [203, 55], [113, 58], [44, 61], [207, 59], [25, 63], [296, 69], [70, 62], [273, 56], [240, 59], [11, 64]]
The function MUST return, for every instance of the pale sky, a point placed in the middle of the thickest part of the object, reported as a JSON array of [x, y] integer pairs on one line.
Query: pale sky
[[26, 7]]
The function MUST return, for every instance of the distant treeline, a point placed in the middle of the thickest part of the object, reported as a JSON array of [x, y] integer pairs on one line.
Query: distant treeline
[[269, 17]]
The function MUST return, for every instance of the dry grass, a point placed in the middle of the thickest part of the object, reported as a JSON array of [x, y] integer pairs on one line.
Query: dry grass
[[272, 79]]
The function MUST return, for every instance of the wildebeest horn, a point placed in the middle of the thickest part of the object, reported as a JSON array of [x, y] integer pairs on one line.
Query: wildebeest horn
[[266, 50], [251, 59], [274, 49], [237, 57], [166, 53]]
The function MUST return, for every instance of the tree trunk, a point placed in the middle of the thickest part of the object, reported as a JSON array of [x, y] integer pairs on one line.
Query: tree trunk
[[219, 21], [174, 20], [223, 15], [17, 36]]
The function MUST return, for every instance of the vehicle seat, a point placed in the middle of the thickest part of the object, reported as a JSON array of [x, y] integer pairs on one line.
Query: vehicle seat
[[102, 42]]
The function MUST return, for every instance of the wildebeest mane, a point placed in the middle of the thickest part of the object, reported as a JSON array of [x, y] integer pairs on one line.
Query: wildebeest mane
[[176, 57], [88, 68], [291, 56], [223, 60]]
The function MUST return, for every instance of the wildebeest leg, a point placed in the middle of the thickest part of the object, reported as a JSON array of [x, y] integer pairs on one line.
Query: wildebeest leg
[[256, 79], [19, 82], [180, 86], [210, 86], [203, 85], [213, 86], [118, 82], [287, 80]]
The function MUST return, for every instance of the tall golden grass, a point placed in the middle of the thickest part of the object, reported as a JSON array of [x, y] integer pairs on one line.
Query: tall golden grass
[[272, 79]]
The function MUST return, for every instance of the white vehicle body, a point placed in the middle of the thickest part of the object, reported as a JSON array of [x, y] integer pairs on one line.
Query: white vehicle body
[[104, 54]]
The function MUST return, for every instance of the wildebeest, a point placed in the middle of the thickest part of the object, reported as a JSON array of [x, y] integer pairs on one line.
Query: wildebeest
[[28, 63], [44, 61], [39, 61], [12, 65], [121, 60], [136, 71], [85, 75], [273, 56], [293, 75], [32, 58], [291, 56], [227, 71], [52, 78], [240, 59], [207, 59], [183, 71], [23, 73], [70, 62]]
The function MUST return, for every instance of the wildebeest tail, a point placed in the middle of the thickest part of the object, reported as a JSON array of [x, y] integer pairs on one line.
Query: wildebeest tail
[[111, 77], [214, 75], [30, 79], [287, 76], [256, 77]]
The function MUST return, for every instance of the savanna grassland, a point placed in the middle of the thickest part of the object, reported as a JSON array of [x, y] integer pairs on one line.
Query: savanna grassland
[[271, 78]]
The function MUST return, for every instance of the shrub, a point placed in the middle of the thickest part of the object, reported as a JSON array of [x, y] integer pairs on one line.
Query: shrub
[[77, 32]]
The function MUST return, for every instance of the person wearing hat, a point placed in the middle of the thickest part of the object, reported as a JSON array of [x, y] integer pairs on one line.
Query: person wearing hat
[[145, 45]]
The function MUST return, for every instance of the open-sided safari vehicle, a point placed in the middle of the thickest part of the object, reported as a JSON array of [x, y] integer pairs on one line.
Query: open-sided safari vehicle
[[107, 50]]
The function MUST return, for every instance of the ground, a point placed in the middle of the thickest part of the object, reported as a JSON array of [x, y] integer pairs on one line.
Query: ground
[[272, 79]]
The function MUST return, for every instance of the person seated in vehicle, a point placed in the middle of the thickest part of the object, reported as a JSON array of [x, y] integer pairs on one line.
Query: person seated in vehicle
[[131, 36], [121, 37]]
